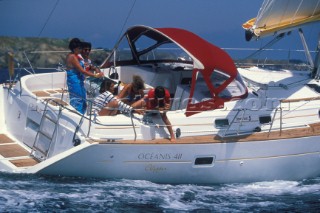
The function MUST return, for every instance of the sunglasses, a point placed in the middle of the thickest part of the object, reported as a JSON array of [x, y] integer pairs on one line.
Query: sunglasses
[[86, 50]]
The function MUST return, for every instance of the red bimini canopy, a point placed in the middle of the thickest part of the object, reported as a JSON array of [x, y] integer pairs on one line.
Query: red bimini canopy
[[216, 68], [215, 78]]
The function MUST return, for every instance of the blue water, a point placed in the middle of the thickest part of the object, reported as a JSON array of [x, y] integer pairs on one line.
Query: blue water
[[31, 193]]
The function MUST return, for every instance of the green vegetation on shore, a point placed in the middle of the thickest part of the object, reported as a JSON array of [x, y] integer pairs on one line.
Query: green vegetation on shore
[[41, 52]]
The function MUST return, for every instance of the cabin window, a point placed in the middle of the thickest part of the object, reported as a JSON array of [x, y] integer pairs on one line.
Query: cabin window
[[217, 78], [201, 91], [203, 161], [235, 88], [265, 119], [221, 123], [186, 81], [163, 52], [123, 52], [143, 43], [314, 87], [166, 51]]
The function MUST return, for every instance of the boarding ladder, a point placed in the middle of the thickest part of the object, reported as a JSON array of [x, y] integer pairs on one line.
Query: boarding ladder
[[44, 139]]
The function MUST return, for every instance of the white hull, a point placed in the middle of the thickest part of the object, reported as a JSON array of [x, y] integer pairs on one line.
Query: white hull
[[195, 160], [232, 125], [173, 163]]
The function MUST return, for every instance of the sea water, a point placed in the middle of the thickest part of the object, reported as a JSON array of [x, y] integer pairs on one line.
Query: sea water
[[33, 193]]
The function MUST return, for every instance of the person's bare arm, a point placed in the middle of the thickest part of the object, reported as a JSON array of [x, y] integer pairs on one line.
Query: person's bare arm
[[124, 92], [75, 63]]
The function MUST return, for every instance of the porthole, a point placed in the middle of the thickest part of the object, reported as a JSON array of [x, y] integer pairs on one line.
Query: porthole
[[203, 161], [265, 119], [221, 123]]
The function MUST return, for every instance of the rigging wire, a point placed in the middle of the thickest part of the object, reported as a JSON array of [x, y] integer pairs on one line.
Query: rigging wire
[[52, 11], [269, 44], [127, 18]]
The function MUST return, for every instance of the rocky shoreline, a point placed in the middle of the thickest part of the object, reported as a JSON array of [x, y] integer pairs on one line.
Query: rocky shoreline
[[41, 52]]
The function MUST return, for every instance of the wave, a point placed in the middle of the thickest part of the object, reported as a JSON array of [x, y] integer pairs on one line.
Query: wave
[[20, 193]]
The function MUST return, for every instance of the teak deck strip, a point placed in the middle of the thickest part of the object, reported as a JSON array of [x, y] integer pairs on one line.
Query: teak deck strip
[[12, 150], [47, 93], [5, 139], [312, 130], [61, 90], [299, 99], [51, 91], [56, 102], [41, 93], [44, 93], [15, 150], [24, 162]]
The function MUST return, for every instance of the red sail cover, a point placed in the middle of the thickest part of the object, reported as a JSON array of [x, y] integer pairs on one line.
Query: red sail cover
[[208, 59]]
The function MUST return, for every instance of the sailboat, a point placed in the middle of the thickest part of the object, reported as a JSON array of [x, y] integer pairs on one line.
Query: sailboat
[[231, 124]]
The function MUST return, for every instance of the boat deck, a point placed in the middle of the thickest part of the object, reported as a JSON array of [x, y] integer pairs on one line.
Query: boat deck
[[306, 131], [47, 93], [303, 131], [15, 153]]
